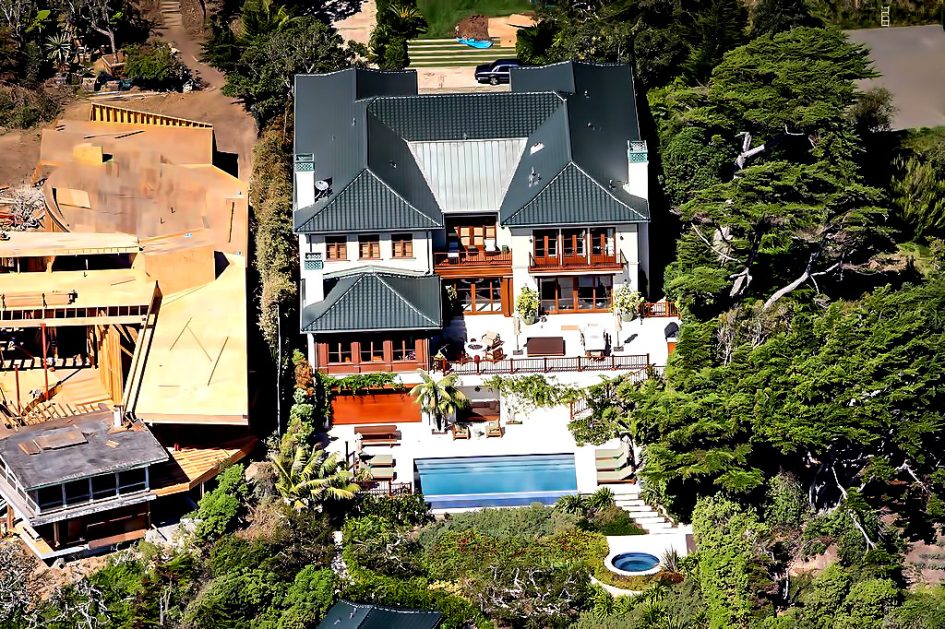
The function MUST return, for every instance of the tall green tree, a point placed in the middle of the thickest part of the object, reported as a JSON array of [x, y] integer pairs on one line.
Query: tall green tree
[[263, 77], [769, 17], [309, 477], [439, 398]]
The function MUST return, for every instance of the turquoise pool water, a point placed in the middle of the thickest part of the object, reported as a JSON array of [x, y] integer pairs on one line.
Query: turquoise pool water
[[635, 562], [496, 481]]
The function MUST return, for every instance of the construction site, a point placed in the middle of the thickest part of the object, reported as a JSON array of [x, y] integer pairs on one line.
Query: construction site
[[123, 330]]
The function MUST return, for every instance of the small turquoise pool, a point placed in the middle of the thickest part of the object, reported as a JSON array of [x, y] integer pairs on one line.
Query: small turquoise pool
[[496, 481], [635, 562]]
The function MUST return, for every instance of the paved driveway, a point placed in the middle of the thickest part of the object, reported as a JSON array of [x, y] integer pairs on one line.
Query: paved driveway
[[911, 60]]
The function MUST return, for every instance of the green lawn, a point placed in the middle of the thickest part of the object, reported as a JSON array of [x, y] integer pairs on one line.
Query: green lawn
[[442, 15]]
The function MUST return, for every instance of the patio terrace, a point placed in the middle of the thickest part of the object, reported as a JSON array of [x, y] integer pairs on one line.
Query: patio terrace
[[631, 346]]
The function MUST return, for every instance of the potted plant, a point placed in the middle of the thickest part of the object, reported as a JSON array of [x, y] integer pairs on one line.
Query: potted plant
[[452, 299], [627, 302], [527, 305]]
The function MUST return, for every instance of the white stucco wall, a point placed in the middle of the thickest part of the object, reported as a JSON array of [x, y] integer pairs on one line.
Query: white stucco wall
[[420, 263]]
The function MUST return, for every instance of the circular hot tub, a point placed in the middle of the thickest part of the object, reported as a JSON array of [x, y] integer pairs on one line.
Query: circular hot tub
[[630, 564]]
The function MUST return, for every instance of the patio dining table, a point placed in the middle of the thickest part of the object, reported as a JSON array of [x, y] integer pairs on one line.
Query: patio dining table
[[545, 346]]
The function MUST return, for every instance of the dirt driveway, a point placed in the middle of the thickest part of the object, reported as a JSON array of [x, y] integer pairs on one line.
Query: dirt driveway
[[235, 129], [911, 60]]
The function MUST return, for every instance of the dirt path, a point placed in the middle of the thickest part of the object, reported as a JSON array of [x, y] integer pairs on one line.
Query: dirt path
[[235, 129]]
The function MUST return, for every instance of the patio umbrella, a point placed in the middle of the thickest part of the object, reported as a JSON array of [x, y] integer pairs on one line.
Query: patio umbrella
[[516, 329]]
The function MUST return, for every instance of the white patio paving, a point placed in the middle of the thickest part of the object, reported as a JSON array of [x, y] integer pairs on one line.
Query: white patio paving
[[546, 433]]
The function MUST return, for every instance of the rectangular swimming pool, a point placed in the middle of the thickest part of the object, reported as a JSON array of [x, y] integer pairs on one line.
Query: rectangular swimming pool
[[496, 481]]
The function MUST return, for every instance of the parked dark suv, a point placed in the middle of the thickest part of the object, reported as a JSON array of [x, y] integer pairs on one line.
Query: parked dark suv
[[496, 72]]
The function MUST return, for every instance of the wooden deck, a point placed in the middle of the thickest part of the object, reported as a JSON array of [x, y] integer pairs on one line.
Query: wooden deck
[[191, 466]]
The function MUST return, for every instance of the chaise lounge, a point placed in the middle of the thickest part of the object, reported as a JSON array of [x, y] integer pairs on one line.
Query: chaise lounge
[[609, 465], [459, 431], [381, 435], [625, 475], [493, 429], [610, 453]]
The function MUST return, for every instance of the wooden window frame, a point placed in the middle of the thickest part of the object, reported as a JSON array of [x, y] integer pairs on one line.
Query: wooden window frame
[[603, 239], [374, 346], [474, 235], [373, 244], [490, 286], [402, 245], [336, 248], [548, 239], [405, 344], [340, 348], [573, 292]]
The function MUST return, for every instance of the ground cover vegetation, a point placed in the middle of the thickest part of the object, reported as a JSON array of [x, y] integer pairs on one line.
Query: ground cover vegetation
[[442, 16], [798, 423], [797, 427], [47, 45]]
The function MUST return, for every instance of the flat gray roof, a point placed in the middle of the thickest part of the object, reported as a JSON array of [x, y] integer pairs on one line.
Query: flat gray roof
[[76, 447]]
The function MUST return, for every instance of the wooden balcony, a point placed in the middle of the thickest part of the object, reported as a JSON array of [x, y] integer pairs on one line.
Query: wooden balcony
[[548, 364], [589, 262], [660, 309], [472, 261]]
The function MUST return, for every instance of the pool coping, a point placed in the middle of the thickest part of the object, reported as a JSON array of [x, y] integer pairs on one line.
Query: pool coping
[[609, 564]]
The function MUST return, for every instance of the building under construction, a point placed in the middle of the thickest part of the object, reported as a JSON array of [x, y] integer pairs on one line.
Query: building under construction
[[123, 363]]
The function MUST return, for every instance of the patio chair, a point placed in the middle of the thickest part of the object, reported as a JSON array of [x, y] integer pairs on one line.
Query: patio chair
[[610, 453], [609, 465], [489, 339], [493, 429], [625, 475], [382, 473], [378, 460], [459, 431]]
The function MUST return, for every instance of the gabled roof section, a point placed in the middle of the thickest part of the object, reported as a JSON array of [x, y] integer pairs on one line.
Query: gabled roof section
[[482, 116], [374, 301], [574, 198], [365, 204], [576, 164], [347, 615], [371, 137]]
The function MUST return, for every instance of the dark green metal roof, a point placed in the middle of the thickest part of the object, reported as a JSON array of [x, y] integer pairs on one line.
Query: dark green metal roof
[[483, 116], [367, 204], [376, 300], [346, 615], [577, 119], [574, 198]]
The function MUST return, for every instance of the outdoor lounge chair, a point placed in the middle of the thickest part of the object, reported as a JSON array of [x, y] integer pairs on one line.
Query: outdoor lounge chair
[[382, 473], [493, 429], [459, 431], [625, 475], [604, 465], [610, 453], [378, 460]]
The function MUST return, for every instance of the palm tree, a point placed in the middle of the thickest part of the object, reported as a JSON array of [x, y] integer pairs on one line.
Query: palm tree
[[600, 499], [439, 398], [59, 49], [572, 503], [311, 476]]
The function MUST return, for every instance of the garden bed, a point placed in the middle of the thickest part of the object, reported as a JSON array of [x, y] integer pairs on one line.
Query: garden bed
[[442, 16]]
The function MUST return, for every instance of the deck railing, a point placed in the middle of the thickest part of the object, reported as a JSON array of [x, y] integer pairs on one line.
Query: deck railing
[[472, 257], [548, 364], [386, 488], [660, 309], [587, 261]]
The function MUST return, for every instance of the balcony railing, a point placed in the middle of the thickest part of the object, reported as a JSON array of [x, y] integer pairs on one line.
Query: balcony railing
[[472, 257], [660, 309], [577, 262], [548, 364]]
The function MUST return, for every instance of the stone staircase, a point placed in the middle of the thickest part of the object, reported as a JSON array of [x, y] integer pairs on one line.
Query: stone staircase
[[627, 497], [170, 14], [431, 53]]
